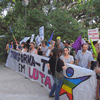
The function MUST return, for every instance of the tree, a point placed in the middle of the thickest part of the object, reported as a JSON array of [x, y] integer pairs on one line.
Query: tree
[[67, 18]]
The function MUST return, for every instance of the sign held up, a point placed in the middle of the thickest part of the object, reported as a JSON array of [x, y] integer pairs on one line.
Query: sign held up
[[41, 33], [93, 34]]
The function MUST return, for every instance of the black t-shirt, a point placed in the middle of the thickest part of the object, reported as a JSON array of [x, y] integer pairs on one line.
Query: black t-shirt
[[40, 53], [52, 62]]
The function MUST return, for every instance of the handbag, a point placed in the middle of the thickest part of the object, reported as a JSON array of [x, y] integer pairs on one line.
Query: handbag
[[58, 75]]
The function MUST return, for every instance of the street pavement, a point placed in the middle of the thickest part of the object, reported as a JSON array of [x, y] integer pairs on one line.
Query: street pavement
[[14, 86]]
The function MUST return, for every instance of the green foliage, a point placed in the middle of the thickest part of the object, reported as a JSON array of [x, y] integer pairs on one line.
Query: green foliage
[[64, 25], [65, 18]]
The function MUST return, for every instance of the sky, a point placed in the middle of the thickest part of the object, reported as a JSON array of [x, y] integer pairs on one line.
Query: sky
[[4, 13]]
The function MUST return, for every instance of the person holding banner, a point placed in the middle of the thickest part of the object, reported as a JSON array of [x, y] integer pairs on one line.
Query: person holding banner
[[33, 50], [84, 57], [39, 50], [66, 57], [18, 45], [22, 47], [44, 48], [56, 64], [25, 48]]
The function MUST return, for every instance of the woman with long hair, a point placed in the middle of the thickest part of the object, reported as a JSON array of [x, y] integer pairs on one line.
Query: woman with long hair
[[66, 57], [55, 61]]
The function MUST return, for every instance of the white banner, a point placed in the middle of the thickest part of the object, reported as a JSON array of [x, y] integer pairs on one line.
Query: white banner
[[41, 33], [25, 39], [32, 38], [78, 84], [37, 40], [93, 34]]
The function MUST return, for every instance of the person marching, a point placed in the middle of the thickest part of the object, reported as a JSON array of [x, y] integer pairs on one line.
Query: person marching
[[32, 47], [84, 57], [66, 57], [8, 47], [56, 64], [96, 56]]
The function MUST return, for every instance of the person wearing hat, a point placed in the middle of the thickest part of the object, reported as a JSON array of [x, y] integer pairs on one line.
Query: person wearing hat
[[59, 42]]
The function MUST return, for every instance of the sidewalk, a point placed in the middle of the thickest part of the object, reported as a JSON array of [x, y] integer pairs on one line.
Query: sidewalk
[[14, 86]]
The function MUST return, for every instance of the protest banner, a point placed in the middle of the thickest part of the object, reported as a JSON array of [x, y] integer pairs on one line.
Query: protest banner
[[78, 84], [25, 39], [37, 40], [93, 34], [32, 38], [41, 33]]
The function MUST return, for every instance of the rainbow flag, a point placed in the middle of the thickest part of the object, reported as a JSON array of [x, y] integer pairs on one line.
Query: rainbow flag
[[13, 35]]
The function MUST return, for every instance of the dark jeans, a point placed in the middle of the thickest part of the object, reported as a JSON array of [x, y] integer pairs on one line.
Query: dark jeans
[[56, 87]]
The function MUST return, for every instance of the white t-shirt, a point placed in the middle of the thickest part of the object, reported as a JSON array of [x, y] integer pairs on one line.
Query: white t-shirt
[[33, 52], [44, 50]]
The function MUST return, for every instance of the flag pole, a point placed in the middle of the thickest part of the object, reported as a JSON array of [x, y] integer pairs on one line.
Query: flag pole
[[13, 35]]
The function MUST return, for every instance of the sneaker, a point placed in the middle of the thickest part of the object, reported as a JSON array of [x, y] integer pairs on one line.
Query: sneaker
[[51, 96]]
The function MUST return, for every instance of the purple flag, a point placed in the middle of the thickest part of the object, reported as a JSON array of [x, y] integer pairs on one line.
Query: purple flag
[[77, 44]]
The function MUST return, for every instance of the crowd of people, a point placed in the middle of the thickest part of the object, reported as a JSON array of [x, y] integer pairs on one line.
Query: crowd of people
[[61, 53]]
